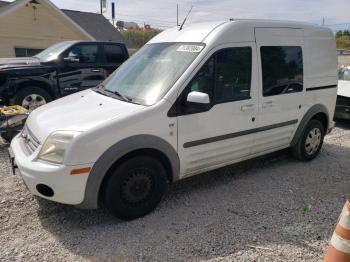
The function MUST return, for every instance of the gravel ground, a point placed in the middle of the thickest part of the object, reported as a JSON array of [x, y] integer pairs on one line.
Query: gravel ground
[[252, 211]]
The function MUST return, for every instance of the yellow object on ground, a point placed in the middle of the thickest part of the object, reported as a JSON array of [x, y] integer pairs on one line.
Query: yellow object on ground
[[12, 110]]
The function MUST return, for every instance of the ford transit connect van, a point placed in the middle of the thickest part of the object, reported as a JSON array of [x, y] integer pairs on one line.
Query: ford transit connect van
[[191, 100]]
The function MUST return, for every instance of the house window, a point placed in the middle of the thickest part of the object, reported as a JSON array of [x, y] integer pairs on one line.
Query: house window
[[26, 52]]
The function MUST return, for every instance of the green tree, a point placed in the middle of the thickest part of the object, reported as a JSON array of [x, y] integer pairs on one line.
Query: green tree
[[339, 33], [138, 38]]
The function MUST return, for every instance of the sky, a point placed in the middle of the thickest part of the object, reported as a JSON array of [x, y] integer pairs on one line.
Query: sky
[[162, 13]]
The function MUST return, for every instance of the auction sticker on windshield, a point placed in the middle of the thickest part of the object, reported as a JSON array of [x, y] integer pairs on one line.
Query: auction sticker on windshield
[[190, 48]]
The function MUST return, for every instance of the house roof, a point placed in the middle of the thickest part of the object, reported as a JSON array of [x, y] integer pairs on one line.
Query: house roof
[[95, 25], [4, 5]]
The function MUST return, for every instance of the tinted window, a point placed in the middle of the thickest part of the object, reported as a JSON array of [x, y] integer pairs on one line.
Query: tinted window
[[233, 74], [114, 54], [204, 80], [85, 53], [228, 73], [282, 69], [26, 52]]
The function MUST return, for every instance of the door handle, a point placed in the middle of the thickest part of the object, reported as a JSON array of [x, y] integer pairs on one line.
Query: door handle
[[96, 70], [246, 108], [268, 104]]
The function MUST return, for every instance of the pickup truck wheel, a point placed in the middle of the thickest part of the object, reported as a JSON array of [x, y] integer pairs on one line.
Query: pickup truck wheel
[[310, 143], [135, 187], [32, 97]]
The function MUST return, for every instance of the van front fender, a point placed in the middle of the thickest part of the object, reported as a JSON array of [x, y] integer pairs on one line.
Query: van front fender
[[116, 152]]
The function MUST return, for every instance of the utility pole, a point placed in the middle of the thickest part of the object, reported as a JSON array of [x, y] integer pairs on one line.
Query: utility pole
[[177, 14], [323, 21], [101, 7]]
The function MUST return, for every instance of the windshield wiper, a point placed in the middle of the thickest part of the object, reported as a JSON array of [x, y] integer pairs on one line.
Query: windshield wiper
[[102, 90], [125, 98]]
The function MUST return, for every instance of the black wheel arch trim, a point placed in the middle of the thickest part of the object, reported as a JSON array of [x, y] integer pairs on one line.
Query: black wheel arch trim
[[45, 85], [116, 152], [313, 111]]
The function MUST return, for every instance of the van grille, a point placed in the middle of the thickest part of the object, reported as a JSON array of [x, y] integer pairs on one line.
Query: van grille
[[30, 142]]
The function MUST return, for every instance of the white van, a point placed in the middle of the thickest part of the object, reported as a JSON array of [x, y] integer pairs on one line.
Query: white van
[[191, 100]]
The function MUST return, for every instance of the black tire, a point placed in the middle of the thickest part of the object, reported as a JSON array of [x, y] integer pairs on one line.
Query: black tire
[[135, 187], [27, 91], [300, 149], [8, 136]]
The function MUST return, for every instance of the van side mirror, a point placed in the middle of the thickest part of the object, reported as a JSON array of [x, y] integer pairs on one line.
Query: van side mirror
[[198, 98], [71, 60]]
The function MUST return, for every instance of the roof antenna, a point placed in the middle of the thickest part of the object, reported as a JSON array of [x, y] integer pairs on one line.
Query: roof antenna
[[185, 19]]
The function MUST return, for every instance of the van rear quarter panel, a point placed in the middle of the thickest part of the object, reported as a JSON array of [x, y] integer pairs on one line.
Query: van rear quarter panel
[[320, 68]]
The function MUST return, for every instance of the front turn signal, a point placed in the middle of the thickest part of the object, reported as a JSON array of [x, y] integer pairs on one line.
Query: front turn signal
[[80, 171]]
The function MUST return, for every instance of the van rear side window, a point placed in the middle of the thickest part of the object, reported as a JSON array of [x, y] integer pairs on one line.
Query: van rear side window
[[282, 69]]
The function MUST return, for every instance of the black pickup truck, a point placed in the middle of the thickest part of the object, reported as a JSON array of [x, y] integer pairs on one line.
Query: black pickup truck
[[60, 70]]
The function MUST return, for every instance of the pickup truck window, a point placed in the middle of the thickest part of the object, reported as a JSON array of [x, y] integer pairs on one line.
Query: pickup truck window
[[54, 51], [85, 53], [114, 54]]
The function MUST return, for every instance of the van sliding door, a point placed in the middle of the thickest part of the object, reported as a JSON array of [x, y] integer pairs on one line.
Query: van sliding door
[[281, 88]]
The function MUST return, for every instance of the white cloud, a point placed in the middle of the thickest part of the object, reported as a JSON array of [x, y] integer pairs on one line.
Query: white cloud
[[162, 13]]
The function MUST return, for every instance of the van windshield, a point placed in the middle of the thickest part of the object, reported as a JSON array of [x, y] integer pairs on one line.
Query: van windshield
[[149, 74]]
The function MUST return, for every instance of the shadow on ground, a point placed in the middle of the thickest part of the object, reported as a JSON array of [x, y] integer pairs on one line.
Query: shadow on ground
[[256, 202]]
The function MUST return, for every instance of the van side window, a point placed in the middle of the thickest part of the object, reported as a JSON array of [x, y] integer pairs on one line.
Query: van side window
[[226, 76], [282, 69], [204, 80], [227, 73], [233, 74]]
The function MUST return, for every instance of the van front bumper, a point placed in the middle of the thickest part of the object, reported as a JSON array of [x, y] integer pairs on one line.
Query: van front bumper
[[41, 177]]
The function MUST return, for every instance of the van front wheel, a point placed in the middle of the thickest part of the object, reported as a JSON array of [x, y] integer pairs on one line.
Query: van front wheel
[[311, 141], [135, 187]]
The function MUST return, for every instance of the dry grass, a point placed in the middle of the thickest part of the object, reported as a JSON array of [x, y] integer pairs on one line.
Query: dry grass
[[343, 42]]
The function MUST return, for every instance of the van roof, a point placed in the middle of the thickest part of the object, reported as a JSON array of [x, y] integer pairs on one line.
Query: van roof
[[199, 32]]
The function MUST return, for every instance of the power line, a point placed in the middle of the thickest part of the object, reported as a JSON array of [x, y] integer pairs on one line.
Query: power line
[[338, 24]]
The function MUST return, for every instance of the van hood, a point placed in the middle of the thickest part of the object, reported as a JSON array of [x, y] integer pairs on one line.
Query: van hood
[[78, 112], [344, 88]]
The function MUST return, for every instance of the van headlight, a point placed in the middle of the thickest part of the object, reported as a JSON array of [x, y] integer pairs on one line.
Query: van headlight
[[55, 146]]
